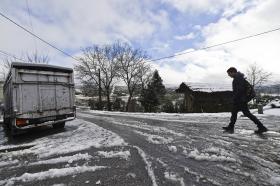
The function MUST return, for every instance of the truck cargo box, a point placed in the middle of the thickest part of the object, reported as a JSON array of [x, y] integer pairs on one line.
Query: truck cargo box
[[38, 94]]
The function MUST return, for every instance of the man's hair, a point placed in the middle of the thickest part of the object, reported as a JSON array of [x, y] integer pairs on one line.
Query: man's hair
[[232, 70]]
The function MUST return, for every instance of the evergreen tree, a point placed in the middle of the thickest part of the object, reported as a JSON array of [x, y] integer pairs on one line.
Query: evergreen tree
[[153, 95], [157, 85], [117, 104], [149, 99], [168, 107]]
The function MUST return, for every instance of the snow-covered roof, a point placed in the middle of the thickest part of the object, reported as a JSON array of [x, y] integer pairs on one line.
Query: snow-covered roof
[[274, 103], [209, 87]]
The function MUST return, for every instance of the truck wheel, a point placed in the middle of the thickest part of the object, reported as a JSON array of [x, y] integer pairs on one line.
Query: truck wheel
[[13, 132], [6, 126], [59, 125]]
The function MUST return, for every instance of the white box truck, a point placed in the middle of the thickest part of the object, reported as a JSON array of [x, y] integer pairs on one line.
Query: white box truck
[[36, 95]]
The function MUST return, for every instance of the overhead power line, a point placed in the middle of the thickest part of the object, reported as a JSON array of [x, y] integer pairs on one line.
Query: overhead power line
[[157, 59], [212, 46], [11, 55], [44, 41]]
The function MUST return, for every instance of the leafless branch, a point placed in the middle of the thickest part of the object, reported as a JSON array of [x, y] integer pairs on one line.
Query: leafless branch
[[257, 76]]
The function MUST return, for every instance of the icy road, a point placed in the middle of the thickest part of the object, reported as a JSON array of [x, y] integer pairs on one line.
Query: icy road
[[107, 148]]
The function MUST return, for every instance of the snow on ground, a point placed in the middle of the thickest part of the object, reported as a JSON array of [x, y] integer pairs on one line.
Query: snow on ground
[[81, 135], [200, 156], [148, 165], [138, 125], [51, 173], [274, 103], [236, 171], [85, 136], [62, 159], [183, 134], [144, 126], [174, 177], [202, 143], [268, 110], [272, 112], [200, 177], [155, 139], [161, 115], [8, 162], [172, 148], [115, 154], [275, 180]]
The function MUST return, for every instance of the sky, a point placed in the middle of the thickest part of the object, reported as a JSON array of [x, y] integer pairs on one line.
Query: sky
[[159, 27]]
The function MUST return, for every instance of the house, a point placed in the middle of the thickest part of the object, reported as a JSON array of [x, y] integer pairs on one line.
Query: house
[[1, 101], [205, 98], [1, 91]]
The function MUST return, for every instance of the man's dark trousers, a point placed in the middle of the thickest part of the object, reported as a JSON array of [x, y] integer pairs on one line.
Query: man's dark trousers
[[243, 106]]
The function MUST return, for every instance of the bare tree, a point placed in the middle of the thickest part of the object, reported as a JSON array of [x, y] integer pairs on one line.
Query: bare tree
[[257, 76], [37, 58], [145, 75], [29, 58], [99, 66], [5, 66], [132, 67]]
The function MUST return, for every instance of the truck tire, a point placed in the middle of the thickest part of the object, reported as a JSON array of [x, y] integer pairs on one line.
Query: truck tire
[[12, 129], [13, 132], [6, 125], [59, 125]]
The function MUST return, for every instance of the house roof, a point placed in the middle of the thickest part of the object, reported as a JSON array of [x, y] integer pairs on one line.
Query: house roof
[[209, 87]]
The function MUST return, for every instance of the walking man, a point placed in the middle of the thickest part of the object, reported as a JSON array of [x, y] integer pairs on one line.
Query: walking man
[[240, 102]]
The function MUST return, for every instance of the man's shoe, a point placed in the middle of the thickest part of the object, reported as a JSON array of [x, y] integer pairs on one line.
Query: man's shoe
[[229, 129], [261, 130]]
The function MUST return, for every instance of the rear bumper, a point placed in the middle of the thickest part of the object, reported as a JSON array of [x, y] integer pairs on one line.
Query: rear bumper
[[39, 122]]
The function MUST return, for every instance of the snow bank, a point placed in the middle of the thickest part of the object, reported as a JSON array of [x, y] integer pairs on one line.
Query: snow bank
[[220, 151], [115, 154], [274, 112], [195, 154], [172, 148], [7, 148], [155, 139], [161, 115], [274, 103], [8, 162], [53, 173], [181, 117], [68, 159]]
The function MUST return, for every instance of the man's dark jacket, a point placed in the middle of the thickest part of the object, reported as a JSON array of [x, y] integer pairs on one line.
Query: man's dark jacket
[[239, 89]]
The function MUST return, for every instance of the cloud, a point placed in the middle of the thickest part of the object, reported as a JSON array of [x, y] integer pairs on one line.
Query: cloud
[[185, 37], [210, 65], [263, 49], [70, 24], [227, 7]]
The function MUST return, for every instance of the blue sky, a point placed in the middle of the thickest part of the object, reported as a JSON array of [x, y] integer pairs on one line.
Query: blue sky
[[160, 27]]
